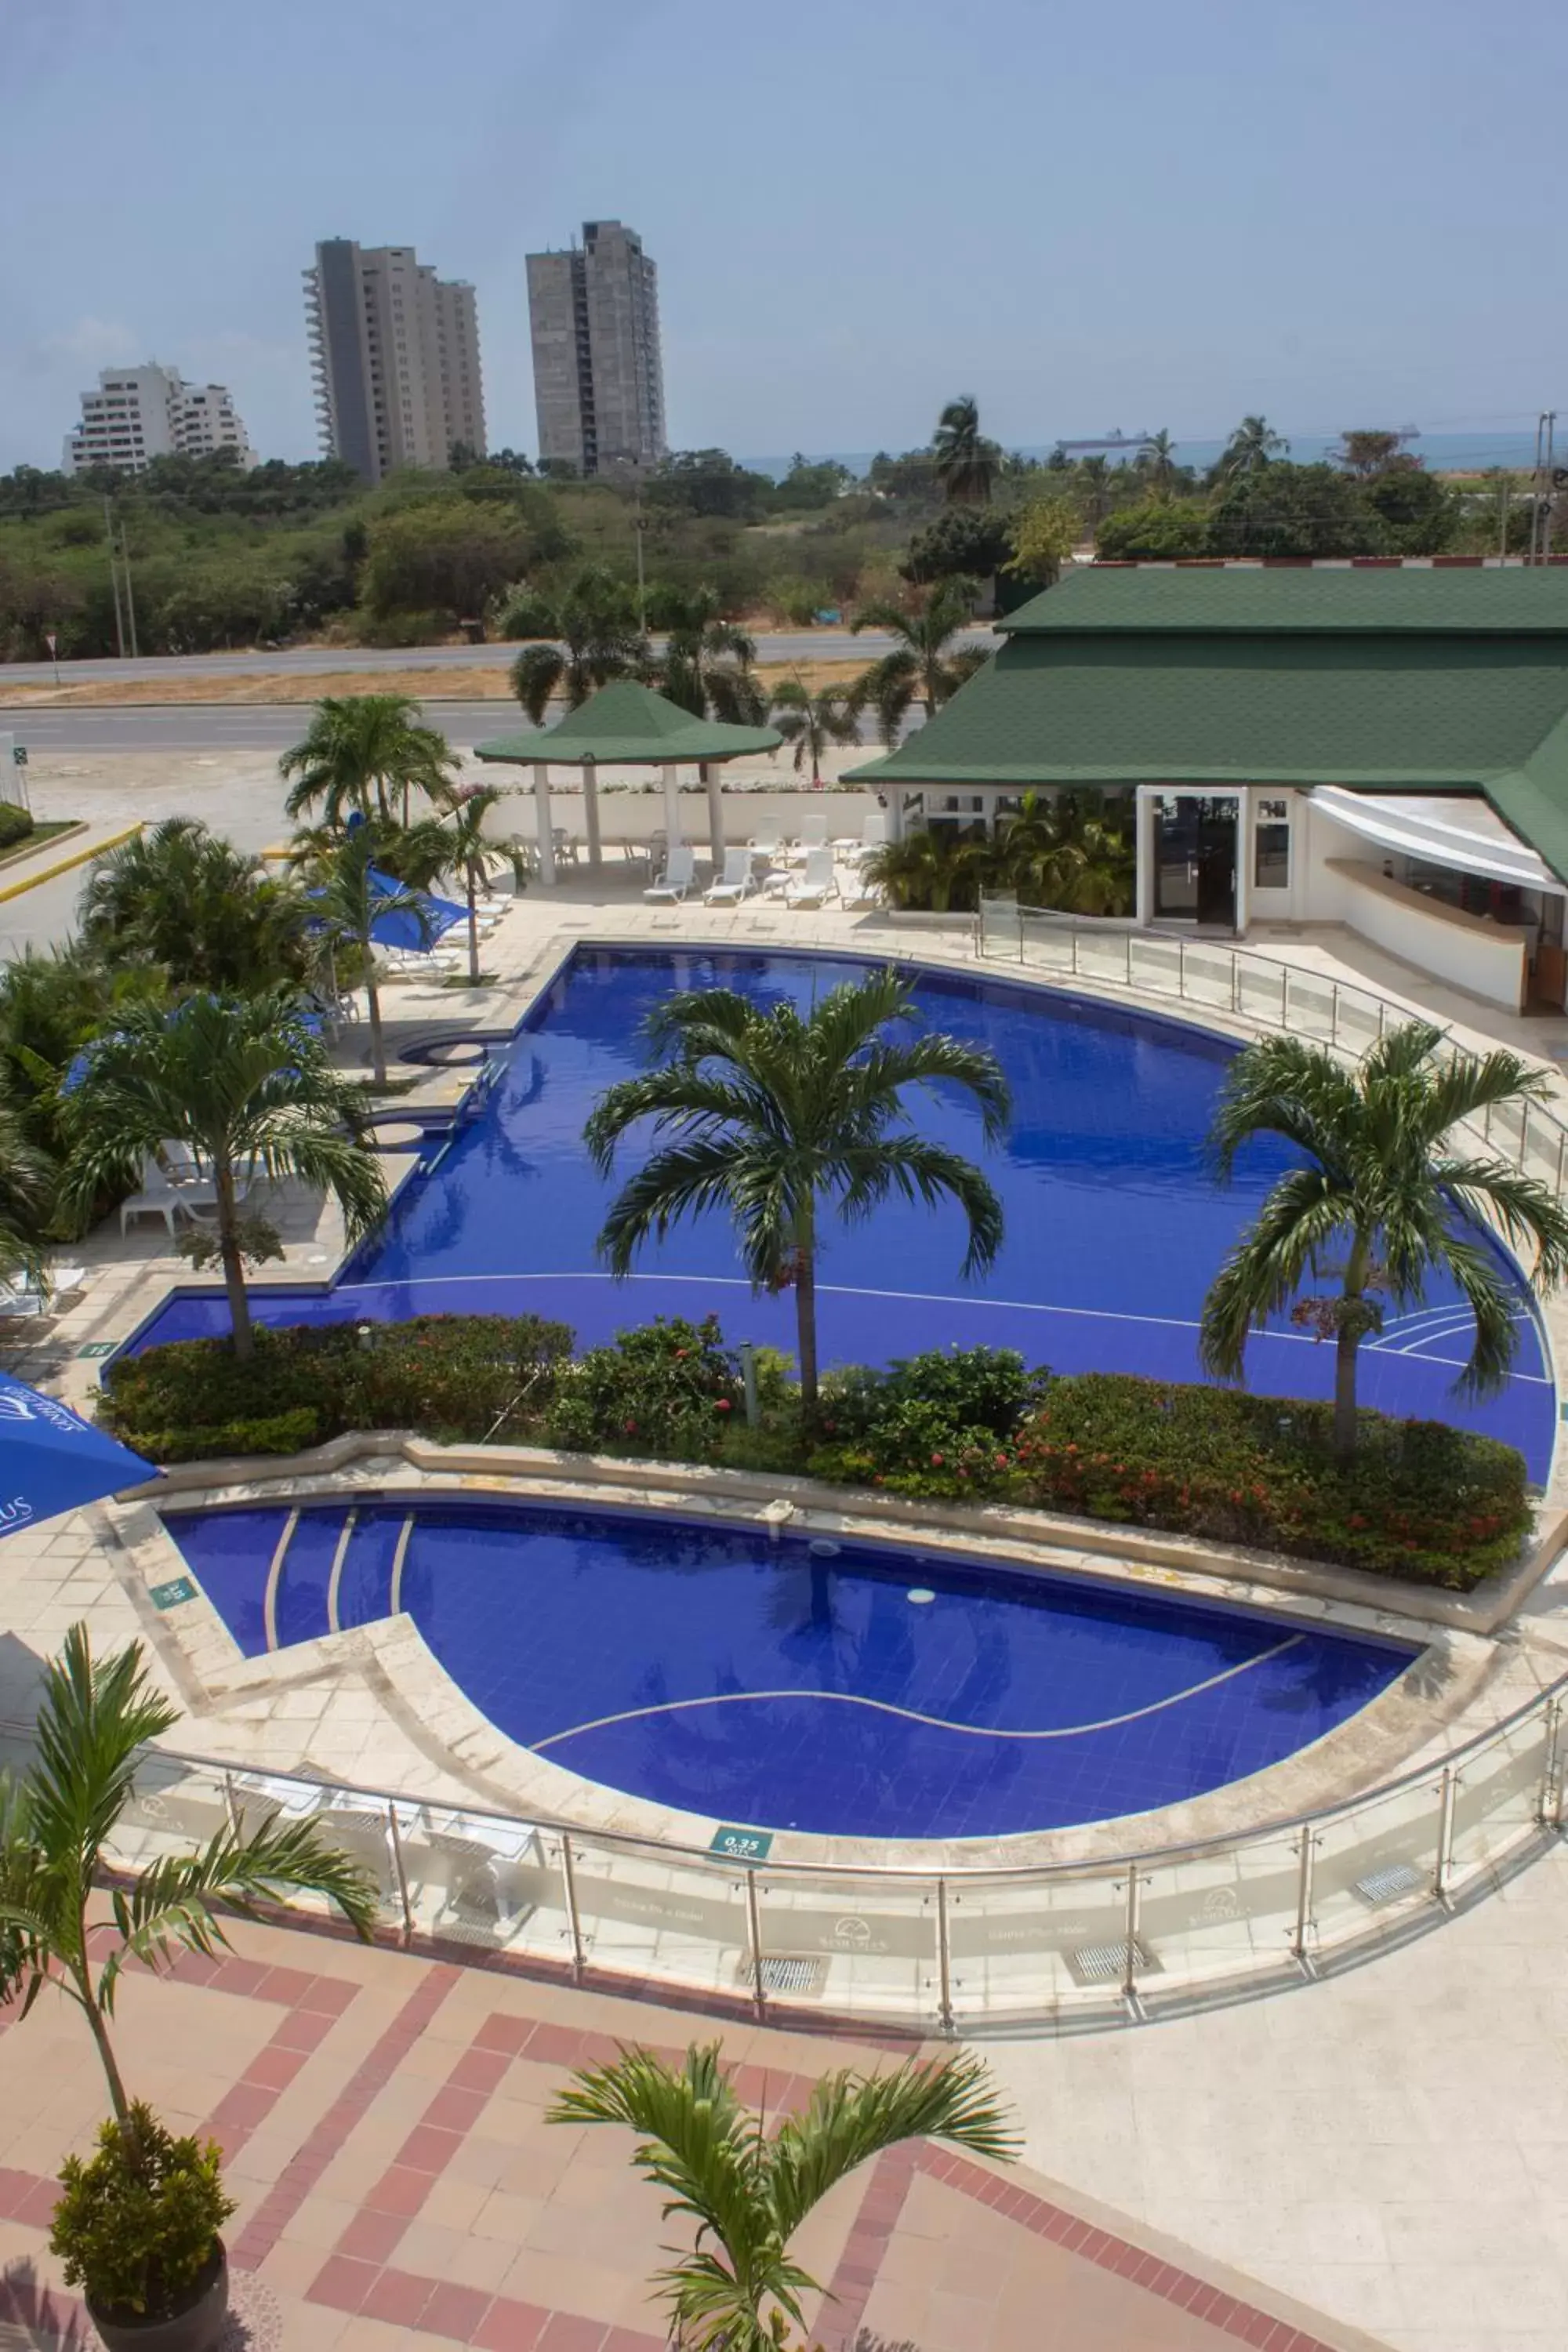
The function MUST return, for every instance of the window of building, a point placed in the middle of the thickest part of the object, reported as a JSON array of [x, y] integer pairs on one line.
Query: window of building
[[1271, 851]]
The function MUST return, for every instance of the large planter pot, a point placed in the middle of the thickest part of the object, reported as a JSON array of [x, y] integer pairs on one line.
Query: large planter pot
[[196, 2329]]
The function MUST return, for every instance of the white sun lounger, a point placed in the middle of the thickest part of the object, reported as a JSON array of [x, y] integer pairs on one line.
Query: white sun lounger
[[817, 882], [680, 875], [735, 883]]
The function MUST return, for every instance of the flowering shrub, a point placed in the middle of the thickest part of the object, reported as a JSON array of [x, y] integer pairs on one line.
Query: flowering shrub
[[670, 1389], [938, 1423]]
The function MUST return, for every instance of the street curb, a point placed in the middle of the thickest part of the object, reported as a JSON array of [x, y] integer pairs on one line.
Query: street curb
[[64, 865]]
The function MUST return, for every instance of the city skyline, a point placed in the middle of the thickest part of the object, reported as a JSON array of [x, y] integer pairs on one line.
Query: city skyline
[[1321, 220]]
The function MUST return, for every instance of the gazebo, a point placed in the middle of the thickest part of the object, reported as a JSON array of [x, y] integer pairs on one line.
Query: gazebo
[[628, 726]]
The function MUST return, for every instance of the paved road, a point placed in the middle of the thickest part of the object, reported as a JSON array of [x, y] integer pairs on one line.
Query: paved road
[[234, 725], [801, 644]]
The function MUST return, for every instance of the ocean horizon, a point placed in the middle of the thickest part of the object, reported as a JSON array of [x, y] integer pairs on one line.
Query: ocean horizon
[[1443, 453]]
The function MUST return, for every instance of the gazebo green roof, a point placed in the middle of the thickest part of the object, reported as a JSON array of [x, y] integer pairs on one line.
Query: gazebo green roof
[[629, 726], [1423, 681]]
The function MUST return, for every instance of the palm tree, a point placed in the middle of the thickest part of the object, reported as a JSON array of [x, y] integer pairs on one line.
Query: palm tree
[[1094, 473], [595, 620], [967, 463], [361, 751], [26, 1192], [244, 1082], [57, 1822], [1384, 1181], [182, 897], [1160, 452], [706, 666], [932, 870], [1073, 850], [347, 875], [811, 721], [1252, 446], [924, 666], [475, 858], [747, 2189], [773, 1110]]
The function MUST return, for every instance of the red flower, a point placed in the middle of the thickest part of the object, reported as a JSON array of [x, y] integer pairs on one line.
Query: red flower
[[631, 1427], [722, 1405], [936, 1462]]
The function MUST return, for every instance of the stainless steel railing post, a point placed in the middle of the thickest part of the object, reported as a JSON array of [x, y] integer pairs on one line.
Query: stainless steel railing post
[[573, 1916], [1523, 1133], [1562, 1148], [1334, 1014], [1299, 1943], [1448, 1789], [1549, 1809], [1130, 1973], [397, 1864], [943, 1958], [754, 1937]]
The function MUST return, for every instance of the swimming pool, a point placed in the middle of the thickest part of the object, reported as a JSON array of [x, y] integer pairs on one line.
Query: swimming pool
[[1114, 1228], [855, 1690]]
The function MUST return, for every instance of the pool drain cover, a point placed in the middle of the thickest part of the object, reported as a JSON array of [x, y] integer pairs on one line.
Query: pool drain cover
[[1388, 1884], [1107, 1963]]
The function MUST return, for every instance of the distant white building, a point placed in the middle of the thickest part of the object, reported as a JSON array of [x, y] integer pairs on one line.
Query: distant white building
[[138, 413]]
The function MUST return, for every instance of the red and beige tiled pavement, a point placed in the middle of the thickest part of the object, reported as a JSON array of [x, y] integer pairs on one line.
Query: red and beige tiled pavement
[[383, 2121]]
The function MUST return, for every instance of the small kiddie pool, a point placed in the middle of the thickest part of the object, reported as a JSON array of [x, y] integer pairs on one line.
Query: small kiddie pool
[[854, 1690]]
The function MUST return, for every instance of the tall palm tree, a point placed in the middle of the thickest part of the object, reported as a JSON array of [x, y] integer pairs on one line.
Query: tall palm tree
[[749, 2189], [707, 663], [924, 665], [1160, 452], [967, 463], [1094, 473], [773, 1112], [595, 620], [244, 1082], [1385, 1181], [474, 858], [1252, 446], [811, 721], [26, 1195], [58, 1825], [346, 876], [360, 753], [180, 896]]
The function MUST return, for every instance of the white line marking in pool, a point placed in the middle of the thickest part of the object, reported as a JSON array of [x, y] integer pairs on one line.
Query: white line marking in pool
[[336, 1578], [394, 1587], [275, 1571], [912, 1714], [926, 1298]]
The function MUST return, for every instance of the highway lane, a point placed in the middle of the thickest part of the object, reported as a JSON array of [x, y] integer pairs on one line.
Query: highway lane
[[304, 661]]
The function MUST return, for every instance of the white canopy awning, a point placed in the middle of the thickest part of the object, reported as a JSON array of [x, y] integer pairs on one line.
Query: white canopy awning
[[1457, 829]]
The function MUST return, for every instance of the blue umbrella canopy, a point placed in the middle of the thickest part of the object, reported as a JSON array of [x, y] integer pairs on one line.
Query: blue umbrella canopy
[[402, 927], [53, 1460]]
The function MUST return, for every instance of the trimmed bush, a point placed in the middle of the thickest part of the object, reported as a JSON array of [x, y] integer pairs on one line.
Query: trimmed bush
[[278, 1433], [16, 824], [670, 1389], [138, 2224]]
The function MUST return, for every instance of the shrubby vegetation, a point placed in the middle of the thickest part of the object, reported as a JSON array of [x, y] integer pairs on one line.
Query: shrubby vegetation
[[1419, 1500]]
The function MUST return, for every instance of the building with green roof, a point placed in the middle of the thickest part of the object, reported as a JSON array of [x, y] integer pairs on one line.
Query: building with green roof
[[1381, 745]]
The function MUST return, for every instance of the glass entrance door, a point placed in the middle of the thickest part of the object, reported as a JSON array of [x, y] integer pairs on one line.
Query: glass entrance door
[[1195, 859]]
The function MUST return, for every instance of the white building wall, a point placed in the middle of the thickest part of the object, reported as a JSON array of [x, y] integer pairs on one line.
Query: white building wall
[[138, 413]]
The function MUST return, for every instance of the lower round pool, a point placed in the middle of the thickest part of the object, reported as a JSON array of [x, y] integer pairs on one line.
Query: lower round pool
[[855, 1690]]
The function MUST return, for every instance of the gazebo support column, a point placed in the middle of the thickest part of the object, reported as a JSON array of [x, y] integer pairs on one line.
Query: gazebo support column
[[591, 812], [542, 814], [671, 805], [713, 775]]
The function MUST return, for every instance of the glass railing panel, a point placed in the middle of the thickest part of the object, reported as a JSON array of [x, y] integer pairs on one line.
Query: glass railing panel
[[1049, 945], [679, 1921], [1376, 1863], [1503, 1128], [1155, 963], [1001, 928], [1498, 1798], [175, 1808], [865, 1946], [474, 1879], [1102, 955], [1208, 976], [1260, 990], [1030, 1947], [1309, 1005], [1210, 1917], [1358, 1021]]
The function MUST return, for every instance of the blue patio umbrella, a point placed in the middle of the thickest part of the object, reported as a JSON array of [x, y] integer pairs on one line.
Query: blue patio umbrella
[[53, 1460], [401, 927]]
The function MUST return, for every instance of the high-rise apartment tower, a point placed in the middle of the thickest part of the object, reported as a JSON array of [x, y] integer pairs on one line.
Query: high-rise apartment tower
[[138, 413], [395, 350], [598, 374]]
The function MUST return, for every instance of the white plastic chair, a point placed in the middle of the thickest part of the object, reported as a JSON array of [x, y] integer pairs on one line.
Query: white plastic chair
[[735, 883], [680, 875], [873, 835], [817, 882], [766, 848], [160, 1196], [813, 835]]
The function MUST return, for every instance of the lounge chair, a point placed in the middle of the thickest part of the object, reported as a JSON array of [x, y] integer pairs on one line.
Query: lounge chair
[[817, 882], [735, 883], [680, 875], [873, 836], [766, 848], [160, 1196], [813, 835]]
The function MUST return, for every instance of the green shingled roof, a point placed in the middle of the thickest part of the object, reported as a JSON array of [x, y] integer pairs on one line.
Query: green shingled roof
[[1178, 695], [1451, 599], [629, 726]]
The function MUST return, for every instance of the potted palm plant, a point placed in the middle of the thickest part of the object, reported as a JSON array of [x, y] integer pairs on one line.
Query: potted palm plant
[[139, 2224]]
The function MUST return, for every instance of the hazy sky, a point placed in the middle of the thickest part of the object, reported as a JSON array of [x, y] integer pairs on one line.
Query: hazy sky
[[1347, 212]]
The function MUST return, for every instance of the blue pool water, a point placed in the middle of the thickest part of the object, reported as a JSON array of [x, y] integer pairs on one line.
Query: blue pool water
[[708, 1668], [1114, 1228]]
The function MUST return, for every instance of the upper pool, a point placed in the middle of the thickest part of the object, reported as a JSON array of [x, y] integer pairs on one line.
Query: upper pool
[[1114, 1228]]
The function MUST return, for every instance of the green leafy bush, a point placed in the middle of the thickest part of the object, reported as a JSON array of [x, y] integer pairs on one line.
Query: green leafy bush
[[16, 824], [138, 2224], [451, 1376], [670, 1389], [931, 1424], [276, 1433]]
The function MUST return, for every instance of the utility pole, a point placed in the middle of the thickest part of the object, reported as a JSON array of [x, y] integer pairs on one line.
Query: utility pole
[[1540, 503], [130, 600], [114, 577], [639, 526]]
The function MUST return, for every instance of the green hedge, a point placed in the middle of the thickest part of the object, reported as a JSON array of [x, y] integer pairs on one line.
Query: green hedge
[[16, 824], [1420, 1500]]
